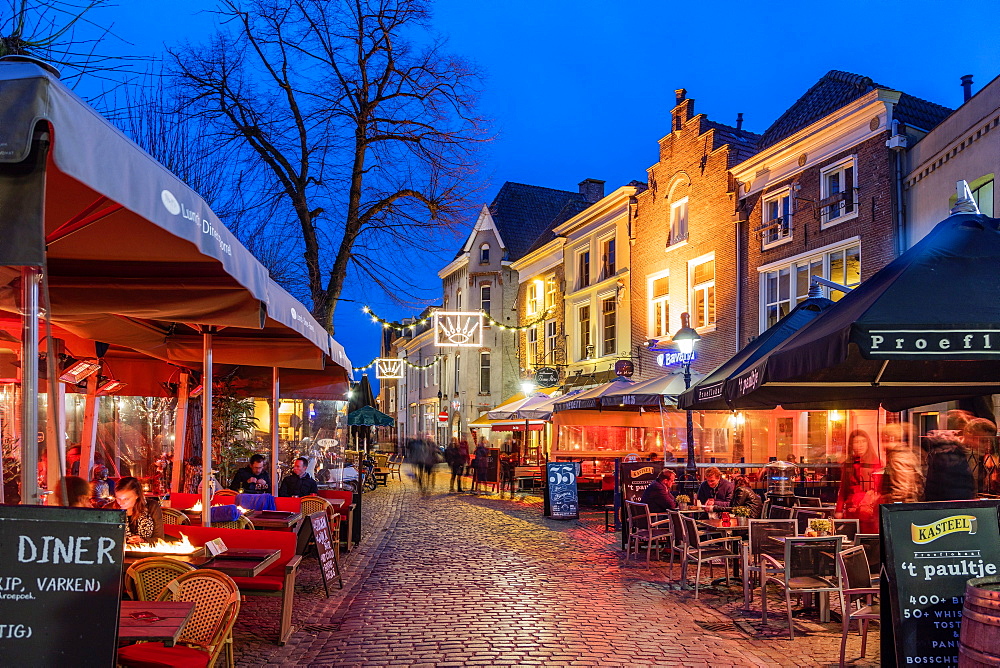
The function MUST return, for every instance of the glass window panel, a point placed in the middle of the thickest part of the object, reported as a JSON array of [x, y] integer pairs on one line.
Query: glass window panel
[[783, 284], [704, 272], [801, 281], [853, 266], [837, 267], [711, 305], [661, 286]]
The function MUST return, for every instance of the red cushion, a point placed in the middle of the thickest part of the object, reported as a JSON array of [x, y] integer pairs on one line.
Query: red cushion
[[288, 504], [261, 582], [242, 539], [155, 655], [181, 500]]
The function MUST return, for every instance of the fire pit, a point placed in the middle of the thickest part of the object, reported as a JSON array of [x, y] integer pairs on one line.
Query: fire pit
[[162, 548]]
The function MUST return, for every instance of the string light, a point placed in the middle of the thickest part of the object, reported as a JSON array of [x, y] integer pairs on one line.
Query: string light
[[490, 322], [435, 360]]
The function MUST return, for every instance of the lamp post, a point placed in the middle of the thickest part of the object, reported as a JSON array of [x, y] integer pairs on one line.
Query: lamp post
[[685, 339]]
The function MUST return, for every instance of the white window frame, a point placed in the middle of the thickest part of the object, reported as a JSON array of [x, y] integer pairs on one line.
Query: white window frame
[[484, 253], [840, 207], [652, 301], [602, 243], [780, 202], [551, 340], [392, 399], [584, 341], [484, 288], [550, 291], [531, 295], [678, 235], [485, 372], [986, 188], [458, 299], [603, 325], [437, 374], [580, 283], [532, 348], [706, 286]]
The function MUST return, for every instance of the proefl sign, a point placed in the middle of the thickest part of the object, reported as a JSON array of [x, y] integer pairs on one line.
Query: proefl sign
[[930, 343]]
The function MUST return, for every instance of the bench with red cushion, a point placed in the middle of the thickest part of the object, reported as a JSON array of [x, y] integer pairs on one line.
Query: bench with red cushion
[[183, 500], [346, 511], [288, 504], [277, 580]]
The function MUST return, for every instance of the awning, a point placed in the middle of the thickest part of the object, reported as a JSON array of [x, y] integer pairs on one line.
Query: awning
[[591, 398], [660, 391], [517, 426], [514, 409]]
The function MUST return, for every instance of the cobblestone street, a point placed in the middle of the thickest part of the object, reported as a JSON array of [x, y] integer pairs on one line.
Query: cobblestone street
[[461, 580]]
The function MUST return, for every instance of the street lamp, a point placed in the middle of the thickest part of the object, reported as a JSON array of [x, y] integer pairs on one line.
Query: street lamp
[[684, 339]]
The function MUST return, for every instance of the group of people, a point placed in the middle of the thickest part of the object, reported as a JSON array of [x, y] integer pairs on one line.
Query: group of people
[[714, 493], [422, 455]]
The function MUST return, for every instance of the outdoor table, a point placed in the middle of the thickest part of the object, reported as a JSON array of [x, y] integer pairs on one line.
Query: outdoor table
[[276, 520], [243, 563], [824, 596], [173, 615], [732, 529]]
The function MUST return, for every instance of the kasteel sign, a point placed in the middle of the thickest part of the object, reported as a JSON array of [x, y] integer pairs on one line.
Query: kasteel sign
[[914, 343]]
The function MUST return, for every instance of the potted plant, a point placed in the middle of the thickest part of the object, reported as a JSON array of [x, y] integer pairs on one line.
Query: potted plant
[[741, 513], [683, 500], [819, 527]]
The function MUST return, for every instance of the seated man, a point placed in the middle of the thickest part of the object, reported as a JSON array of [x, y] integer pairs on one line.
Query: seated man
[[298, 482], [252, 479], [657, 496], [715, 491]]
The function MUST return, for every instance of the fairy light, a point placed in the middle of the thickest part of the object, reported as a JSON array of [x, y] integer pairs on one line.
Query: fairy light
[[435, 360], [490, 322]]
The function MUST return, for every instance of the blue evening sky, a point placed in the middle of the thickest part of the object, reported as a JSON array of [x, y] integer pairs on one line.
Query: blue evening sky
[[583, 89]]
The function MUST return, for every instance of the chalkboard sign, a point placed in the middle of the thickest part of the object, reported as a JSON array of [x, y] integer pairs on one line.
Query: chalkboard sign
[[493, 465], [329, 565], [634, 478], [60, 585], [563, 499], [930, 551]]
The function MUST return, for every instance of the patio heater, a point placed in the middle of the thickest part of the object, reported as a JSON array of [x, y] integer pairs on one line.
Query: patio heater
[[685, 340]]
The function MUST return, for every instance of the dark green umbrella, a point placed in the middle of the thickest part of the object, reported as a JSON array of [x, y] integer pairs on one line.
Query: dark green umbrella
[[369, 417]]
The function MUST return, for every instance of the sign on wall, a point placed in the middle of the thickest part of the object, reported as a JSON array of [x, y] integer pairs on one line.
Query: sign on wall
[[389, 368], [547, 377], [458, 329], [672, 358]]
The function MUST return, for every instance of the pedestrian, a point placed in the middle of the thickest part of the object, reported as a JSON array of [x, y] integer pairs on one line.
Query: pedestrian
[[453, 458], [658, 496], [902, 481], [480, 464], [860, 484], [463, 452], [949, 476], [979, 439], [745, 496]]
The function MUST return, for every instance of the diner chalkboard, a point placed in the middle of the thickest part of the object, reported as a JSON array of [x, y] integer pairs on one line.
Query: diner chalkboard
[[493, 465], [326, 552], [563, 499], [634, 478], [930, 551], [60, 585]]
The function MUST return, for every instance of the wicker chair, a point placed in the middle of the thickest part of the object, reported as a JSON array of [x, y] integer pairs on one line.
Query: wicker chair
[[238, 523], [314, 504], [224, 496], [216, 601], [146, 578], [174, 516]]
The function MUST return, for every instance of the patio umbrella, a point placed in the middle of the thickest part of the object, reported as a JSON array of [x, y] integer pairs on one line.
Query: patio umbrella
[[659, 391], [708, 393], [923, 329], [369, 416], [591, 398], [513, 410]]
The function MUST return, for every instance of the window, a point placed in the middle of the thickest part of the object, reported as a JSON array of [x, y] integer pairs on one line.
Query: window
[[424, 372], [608, 258], [484, 254], [484, 373], [703, 293], [437, 374], [983, 195], [583, 317], [532, 347], [837, 192], [608, 313], [458, 366], [550, 292], [583, 269], [678, 221], [551, 341], [392, 399], [532, 293], [659, 302], [782, 287], [458, 299], [484, 298], [777, 219]]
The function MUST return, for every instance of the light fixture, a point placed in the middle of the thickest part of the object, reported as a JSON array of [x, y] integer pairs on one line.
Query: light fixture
[[196, 391], [109, 385], [835, 416], [686, 336], [75, 370], [527, 387]]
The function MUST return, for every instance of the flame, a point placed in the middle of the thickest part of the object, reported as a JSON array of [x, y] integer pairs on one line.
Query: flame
[[183, 546], [196, 508]]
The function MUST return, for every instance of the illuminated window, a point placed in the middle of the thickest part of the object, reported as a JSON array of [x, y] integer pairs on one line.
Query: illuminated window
[[532, 347], [583, 318], [532, 291], [777, 219], [659, 305], [838, 189], [550, 292], [551, 341], [678, 221], [983, 195], [702, 306], [609, 314], [784, 286], [583, 269]]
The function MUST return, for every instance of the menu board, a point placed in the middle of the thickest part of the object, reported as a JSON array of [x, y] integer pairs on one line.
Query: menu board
[[60, 585], [930, 551], [493, 465], [325, 550], [634, 478], [562, 491]]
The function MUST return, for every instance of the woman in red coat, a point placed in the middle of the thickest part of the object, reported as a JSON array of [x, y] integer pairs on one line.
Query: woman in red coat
[[860, 483]]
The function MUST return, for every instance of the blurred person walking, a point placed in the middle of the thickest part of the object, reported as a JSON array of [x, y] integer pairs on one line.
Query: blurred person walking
[[979, 439], [860, 482], [453, 458], [481, 465], [903, 480]]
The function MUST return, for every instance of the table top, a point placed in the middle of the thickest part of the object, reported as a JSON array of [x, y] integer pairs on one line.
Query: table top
[[172, 616], [717, 525], [240, 563], [274, 519]]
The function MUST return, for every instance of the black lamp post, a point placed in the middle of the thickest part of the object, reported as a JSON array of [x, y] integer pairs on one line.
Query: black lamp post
[[685, 339]]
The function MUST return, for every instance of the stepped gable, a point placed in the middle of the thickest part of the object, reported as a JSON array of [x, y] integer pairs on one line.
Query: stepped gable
[[742, 144], [837, 89], [523, 213]]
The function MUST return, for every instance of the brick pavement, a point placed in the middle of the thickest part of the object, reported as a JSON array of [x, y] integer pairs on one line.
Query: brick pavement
[[459, 580]]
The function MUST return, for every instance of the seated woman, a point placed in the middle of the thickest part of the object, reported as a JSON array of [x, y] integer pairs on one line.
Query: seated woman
[[144, 521], [73, 491], [745, 496]]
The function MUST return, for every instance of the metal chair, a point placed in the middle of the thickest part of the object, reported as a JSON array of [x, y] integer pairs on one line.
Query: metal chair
[[761, 540], [174, 516], [779, 513], [646, 527], [808, 501], [678, 539], [872, 542], [707, 551], [239, 523], [810, 567], [848, 528], [803, 515], [216, 601], [857, 595], [146, 578]]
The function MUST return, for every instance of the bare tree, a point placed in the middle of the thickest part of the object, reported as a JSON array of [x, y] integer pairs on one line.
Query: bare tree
[[361, 137]]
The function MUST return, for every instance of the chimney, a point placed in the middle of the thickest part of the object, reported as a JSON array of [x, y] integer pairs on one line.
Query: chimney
[[592, 190], [739, 121], [966, 87], [680, 94], [683, 110]]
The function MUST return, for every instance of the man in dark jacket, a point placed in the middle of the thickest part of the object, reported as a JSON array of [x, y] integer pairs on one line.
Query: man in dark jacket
[[298, 483], [252, 479], [657, 496], [715, 490], [949, 477]]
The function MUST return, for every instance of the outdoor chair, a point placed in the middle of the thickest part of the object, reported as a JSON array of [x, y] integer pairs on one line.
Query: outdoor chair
[[808, 501], [314, 504], [872, 543], [224, 497], [239, 523], [678, 539], [761, 540], [146, 578], [802, 516], [707, 551], [848, 528], [394, 469], [216, 601], [857, 596], [779, 513], [646, 527], [809, 567], [173, 516]]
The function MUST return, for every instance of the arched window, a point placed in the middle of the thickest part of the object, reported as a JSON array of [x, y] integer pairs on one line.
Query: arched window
[[484, 254], [458, 299]]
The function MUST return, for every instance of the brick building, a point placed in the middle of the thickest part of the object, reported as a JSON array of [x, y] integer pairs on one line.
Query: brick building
[[683, 241]]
